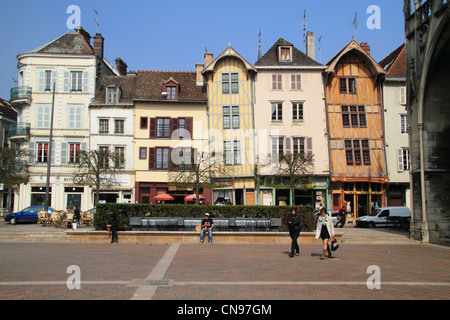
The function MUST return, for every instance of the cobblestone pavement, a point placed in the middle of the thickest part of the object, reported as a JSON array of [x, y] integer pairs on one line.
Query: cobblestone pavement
[[119, 271]]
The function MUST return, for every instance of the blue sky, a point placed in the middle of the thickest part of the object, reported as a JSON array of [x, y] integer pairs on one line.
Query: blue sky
[[173, 34]]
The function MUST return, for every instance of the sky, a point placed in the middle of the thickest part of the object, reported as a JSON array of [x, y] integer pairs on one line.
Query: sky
[[174, 34]]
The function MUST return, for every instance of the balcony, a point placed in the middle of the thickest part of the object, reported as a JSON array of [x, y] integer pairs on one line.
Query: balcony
[[19, 132], [20, 96]]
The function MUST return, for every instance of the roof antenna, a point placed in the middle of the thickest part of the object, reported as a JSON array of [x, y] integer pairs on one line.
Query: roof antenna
[[305, 24], [320, 49], [355, 25], [96, 21], [259, 49]]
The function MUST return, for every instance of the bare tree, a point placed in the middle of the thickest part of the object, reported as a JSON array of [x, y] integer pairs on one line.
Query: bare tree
[[98, 169], [288, 170]]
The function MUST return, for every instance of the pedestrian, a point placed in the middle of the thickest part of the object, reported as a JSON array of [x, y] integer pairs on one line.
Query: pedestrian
[[325, 231], [294, 226], [341, 216], [76, 213], [207, 226], [113, 225]]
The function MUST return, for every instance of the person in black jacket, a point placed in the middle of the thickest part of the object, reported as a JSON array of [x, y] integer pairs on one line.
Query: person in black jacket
[[114, 224], [294, 226]]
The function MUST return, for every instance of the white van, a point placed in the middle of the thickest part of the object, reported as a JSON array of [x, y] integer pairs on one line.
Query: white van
[[378, 218]]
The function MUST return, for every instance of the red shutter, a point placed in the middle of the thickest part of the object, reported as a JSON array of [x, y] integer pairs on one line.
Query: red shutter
[[152, 128], [189, 126], [151, 159], [174, 129]]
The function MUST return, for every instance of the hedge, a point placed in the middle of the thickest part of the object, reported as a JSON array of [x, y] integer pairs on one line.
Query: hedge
[[125, 211]]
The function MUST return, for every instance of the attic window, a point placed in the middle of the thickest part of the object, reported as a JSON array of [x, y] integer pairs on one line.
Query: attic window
[[285, 54], [171, 89], [112, 94]]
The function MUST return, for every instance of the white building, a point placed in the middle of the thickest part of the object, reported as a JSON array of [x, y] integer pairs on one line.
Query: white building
[[76, 68], [396, 128]]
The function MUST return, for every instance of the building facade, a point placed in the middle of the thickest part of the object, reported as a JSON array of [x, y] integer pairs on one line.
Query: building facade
[[230, 86], [396, 128], [290, 118], [354, 113], [71, 68]]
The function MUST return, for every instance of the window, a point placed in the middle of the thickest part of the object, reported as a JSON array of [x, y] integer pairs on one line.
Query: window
[[144, 123], [347, 85], [299, 145], [285, 54], [142, 153], [237, 151], [228, 156], [296, 81], [45, 79], [226, 117], [119, 125], [103, 161], [162, 158], [353, 151], [277, 111], [183, 159], [74, 153], [297, 111], [112, 94], [403, 159], [103, 126], [75, 116], [171, 92], [76, 81], [48, 80], [181, 128], [277, 146], [43, 115], [277, 82], [354, 116], [42, 152], [119, 153], [163, 128], [230, 119], [232, 152], [230, 82], [403, 123]]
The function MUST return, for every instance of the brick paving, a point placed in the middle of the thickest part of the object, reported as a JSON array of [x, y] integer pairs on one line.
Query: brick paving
[[223, 271]]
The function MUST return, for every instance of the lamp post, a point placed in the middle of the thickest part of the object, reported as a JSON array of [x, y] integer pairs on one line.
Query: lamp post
[[49, 156]]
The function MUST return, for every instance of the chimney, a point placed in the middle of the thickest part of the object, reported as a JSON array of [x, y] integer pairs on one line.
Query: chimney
[[198, 69], [311, 45], [365, 47], [208, 58], [99, 45], [84, 33], [121, 66]]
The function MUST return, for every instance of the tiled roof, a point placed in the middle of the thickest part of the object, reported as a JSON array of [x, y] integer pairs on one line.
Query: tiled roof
[[126, 84], [68, 43], [6, 110], [270, 58], [150, 85], [395, 63]]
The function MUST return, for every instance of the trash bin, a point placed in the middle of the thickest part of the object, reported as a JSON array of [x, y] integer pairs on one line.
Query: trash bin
[[74, 225]]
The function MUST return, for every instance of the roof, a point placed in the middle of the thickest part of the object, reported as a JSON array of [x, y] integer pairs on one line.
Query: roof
[[228, 52], [150, 85], [354, 46], [6, 110], [395, 63], [68, 43], [270, 58], [126, 84]]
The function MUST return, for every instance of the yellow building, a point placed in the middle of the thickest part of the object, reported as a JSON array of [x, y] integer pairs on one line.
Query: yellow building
[[170, 116], [230, 87]]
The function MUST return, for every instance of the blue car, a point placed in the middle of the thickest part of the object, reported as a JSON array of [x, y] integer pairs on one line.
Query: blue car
[[28, 214]]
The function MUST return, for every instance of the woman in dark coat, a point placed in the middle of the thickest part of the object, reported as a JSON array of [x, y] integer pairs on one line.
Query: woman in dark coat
[[294, 226]]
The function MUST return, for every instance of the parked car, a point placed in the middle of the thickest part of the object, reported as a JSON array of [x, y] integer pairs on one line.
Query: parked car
[[379, 217], [28, 214]]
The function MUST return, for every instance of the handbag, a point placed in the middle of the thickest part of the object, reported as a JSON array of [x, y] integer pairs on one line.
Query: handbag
[[334, 245]]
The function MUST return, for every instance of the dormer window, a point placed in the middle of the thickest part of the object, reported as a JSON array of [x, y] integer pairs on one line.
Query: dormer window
[[112, 94], [171, 89], [285, 54]]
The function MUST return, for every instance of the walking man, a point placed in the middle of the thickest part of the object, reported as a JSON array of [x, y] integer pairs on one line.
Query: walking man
[[294, 226]]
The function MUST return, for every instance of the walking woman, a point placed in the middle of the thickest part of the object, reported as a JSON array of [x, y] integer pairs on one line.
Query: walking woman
[[325, 231], [294, 231]]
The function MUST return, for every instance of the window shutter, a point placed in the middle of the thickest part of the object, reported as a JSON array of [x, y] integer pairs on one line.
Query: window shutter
[[55, 80], [188, 128], [63, 153], [53, 152], [40, 80], [400, 160], [85, 82], [309, 146], [174, 135], [31, 150], [151, 158], [287, 143], [83, 146], [402, 93], [152, 128], [66, 81]]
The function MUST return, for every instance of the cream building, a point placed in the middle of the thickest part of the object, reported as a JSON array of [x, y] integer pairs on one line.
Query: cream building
[[75, 68], [290, 117]]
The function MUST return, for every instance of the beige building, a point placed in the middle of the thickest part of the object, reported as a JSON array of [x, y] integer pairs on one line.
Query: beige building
[[290, 118], [74, 66]]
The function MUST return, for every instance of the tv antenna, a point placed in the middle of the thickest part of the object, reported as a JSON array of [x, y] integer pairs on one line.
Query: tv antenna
[[259, 47], [319, 49], [305, 24], [355, 25], [96, 21]]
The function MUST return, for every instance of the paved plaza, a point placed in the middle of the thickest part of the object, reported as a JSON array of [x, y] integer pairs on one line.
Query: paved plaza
[[404, 270]]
